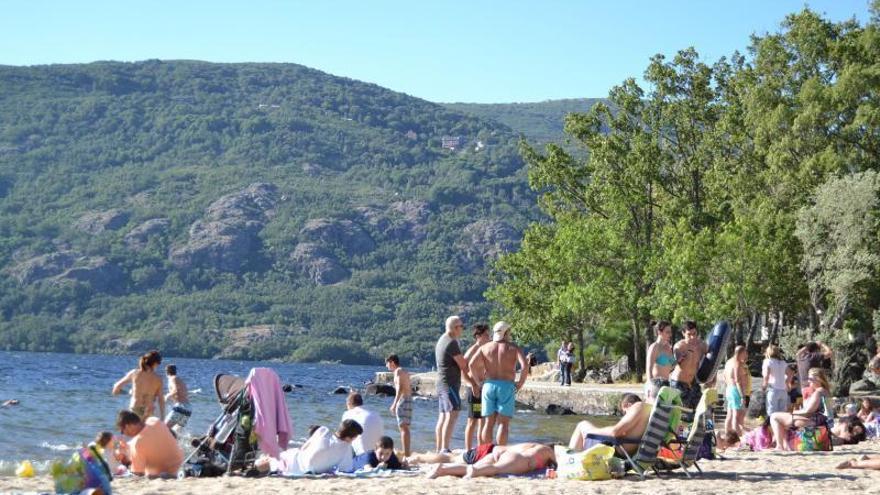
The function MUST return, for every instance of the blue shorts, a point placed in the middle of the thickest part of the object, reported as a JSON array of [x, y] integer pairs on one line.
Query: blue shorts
[[732, 398], [498, 397], [449, 401]]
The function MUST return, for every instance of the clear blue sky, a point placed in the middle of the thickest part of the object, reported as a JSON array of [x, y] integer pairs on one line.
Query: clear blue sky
[[444, 51]]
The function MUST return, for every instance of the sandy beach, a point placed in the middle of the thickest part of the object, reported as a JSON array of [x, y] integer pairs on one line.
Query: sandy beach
[[742, 472]]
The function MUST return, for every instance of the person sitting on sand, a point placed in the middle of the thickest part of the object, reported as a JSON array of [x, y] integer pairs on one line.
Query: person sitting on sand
[[863, 462], [146, 386], [632, 425], [323, 452], [866, 410], [154, 450], [371, 423], [521, 458], [848, 430], [814, 412]]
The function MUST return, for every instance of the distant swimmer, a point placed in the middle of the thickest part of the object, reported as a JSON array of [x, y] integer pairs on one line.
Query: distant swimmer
[[146, 386], [10, 402]]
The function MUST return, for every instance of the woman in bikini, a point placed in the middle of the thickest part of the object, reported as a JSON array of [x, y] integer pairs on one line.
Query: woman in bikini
[[660, 359], [146, 386], [814, 412], [521, 458]]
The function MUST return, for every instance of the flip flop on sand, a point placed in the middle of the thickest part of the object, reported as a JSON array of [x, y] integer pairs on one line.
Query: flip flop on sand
[[845, 464]]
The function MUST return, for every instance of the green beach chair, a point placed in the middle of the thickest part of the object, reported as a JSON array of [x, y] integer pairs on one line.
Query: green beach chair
[[691, 446]]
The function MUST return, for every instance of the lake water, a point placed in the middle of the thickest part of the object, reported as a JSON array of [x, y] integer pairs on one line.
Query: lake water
[[65, 401]]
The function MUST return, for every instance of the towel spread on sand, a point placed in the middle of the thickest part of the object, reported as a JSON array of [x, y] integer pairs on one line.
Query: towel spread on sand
[[271, 420]]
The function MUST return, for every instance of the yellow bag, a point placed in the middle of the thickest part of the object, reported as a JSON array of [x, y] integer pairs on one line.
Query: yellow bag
[[591, 464]]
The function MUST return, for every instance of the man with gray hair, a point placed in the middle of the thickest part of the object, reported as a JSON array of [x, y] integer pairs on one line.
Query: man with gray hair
[[451, 368], [496, 361]]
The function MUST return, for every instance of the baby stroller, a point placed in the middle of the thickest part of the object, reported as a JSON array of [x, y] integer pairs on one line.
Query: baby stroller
[[231, 443]]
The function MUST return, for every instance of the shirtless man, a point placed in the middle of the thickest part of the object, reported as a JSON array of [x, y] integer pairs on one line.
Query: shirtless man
[[474, 401], [735, 378], [496, 362], [154, 450], [632, 425], [146, 386], [520, 458], [402, 406], [688, 353], [177, 392]]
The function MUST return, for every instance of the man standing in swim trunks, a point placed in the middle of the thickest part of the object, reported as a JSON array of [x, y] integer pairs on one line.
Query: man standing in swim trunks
[[688, 353], [177, 392], [497, 361], [474, 401], [735, 376], [402, 406], [451, 368]]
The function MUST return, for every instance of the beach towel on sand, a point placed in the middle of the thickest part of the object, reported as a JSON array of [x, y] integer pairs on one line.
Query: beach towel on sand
[[271, 420]]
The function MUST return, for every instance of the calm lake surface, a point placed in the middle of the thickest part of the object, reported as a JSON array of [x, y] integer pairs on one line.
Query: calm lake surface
[[65, 401]]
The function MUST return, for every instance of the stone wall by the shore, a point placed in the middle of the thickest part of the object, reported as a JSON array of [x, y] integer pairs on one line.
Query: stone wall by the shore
[[593, 400]]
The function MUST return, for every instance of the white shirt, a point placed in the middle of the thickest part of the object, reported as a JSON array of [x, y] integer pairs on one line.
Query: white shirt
[[320, 454], [372, 425], [775, 370]]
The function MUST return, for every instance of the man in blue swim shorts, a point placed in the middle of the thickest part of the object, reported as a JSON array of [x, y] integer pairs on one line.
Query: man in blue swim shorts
[[496, 361]]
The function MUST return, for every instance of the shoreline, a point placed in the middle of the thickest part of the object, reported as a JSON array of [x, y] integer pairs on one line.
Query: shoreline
[[741, 472]]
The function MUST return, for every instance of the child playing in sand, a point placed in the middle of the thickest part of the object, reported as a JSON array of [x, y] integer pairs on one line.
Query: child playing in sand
[[403, 403]]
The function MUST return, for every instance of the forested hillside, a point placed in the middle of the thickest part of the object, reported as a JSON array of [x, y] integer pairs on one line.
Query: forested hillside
[[244, 210], [540, 123]]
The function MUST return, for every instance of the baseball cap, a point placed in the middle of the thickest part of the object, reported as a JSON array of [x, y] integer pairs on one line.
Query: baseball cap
[[500, 331]]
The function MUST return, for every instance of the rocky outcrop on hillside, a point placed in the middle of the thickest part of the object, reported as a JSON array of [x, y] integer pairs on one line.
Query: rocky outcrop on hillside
[[97, 271], [227, 236], [99, 221], [138, 237], [484, 240], [342, 233], [401, 221], [240, 342], [318, 264]]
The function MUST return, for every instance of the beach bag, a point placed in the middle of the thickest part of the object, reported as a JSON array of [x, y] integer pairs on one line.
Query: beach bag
[[593, 464], [811, 439], [85, 469]]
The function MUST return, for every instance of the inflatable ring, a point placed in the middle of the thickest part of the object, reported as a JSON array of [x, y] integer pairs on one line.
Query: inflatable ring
[[718, 341]]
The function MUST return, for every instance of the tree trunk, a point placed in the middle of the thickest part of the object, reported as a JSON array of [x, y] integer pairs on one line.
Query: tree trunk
[[774, 330], [753, 326], [580, 338], [637, 356]]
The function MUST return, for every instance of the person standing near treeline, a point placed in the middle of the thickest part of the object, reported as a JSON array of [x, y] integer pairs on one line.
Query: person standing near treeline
[[565, 358]]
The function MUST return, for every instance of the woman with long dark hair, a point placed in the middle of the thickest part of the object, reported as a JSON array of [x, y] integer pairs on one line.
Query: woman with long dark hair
[[146, 386]]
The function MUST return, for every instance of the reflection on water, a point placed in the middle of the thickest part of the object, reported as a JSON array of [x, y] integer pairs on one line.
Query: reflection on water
[[65, 401]]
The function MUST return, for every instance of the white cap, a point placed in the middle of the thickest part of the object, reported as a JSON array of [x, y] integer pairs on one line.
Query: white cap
[[500, 331]]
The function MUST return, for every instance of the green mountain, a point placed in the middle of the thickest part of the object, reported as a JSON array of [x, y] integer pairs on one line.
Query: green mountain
[[539, 123], [244, 210]]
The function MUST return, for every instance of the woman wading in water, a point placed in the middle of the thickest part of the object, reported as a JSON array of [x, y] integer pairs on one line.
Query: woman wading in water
[[146, 386]]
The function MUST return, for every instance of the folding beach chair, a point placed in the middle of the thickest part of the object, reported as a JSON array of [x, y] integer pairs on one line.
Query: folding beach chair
[[691, 445], [660, 426]]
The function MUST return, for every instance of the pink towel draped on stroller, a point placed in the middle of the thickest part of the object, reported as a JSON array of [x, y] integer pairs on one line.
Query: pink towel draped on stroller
[[271, 419]]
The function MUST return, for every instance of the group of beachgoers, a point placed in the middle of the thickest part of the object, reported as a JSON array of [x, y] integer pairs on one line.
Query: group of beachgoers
[[491, 371], [797, 395]]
